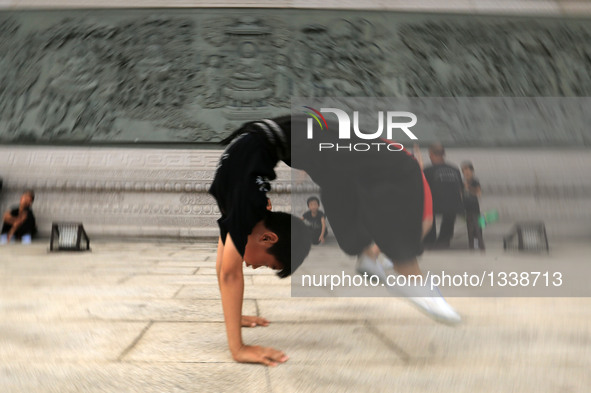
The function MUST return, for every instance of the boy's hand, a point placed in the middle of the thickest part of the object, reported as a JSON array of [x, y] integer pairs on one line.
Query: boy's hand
[[251, 321], [257, 354], [321, 238]]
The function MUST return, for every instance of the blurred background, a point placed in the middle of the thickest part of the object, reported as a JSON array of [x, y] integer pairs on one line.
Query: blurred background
[[112, 113]]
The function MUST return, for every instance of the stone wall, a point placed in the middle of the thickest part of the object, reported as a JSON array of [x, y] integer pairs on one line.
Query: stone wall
[[132, 192], [162, 192], [504, 7], [191, 76], [112, 116]]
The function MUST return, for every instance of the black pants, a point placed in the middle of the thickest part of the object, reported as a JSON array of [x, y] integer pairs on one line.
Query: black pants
[[28, 228], [446, 232], [474, 230], [316, 235], [387, 213], [368, 196]]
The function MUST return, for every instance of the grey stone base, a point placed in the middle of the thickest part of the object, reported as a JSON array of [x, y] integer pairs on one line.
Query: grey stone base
[[162, 192]]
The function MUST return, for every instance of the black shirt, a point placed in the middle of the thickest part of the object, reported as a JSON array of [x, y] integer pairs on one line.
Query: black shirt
[[240, 186], [446, 186], [471, 198], [28, 227], [315, 223]]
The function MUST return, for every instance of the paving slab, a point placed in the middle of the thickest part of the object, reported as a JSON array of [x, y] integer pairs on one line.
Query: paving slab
[[94, 377], [66, 341], [91, 290], [147, 317], [162, 309], [304, 343], [532, 345], [250, 292], [457, 378], [171, 279], [334, 310]]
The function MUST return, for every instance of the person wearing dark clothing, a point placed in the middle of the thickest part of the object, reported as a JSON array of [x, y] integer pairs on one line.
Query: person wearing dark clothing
[[316, 221], [370, 198], [472, 192], [445, 181], [20, 221]]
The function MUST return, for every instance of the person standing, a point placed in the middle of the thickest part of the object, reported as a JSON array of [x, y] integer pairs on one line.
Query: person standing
[[472, 192], [446, 185]]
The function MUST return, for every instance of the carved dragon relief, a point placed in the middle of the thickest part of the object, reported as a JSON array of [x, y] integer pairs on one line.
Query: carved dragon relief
[[194, 77]]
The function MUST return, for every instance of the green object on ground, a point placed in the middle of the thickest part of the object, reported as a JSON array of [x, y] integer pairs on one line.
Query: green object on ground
[[488, 218]]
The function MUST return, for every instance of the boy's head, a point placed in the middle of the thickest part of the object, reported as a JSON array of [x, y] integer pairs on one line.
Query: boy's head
[[27, 198], [280, 241], [467, 170], [313, 203], [437, 153]]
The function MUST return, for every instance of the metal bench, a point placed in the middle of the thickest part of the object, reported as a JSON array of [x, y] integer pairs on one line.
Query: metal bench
[[527, 236]]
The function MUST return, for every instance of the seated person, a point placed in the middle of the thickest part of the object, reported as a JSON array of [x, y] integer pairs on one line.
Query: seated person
[[20, 221], [316, 220]]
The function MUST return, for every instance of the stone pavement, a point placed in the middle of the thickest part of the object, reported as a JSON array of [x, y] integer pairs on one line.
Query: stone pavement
[[146, 317]]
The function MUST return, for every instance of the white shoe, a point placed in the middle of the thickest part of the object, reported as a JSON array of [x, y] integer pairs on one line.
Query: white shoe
[[437, 308], [3, 239], [385, 261], [370, 266], [430, 302]]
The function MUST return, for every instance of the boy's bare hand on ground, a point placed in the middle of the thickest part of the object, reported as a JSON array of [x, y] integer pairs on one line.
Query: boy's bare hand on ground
[[251, 321], [257, 354]]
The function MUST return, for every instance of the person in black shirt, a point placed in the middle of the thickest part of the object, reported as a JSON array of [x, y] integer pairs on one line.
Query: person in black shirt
[[249, 231], [315, 220], [371, 199], [446, 186], [20, 220], [472, 192]]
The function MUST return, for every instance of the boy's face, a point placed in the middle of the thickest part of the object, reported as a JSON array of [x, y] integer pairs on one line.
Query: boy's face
[[26, 200], [255, 252], [313, 206], [467, 173]]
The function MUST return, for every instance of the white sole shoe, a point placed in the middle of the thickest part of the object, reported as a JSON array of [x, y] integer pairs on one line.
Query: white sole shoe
[[437, 308], [373, 268], [385, 261], [430, 302]]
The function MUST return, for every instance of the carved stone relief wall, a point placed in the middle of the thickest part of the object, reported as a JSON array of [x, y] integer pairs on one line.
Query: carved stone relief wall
[[191, 76], [127, 78]]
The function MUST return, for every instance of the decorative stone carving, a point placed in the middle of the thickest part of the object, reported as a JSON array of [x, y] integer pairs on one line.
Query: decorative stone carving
[[144, 76]]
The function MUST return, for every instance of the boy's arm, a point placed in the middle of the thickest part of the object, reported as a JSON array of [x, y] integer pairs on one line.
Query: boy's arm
[[8, 218], [17, 223], [231, 282], [323, 221], [478, 191], [218, 260]]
